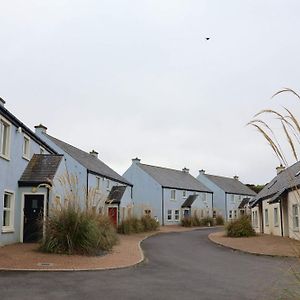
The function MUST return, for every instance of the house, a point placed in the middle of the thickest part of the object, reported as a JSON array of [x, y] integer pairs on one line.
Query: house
[[229, 194], [93, 176], [275, 210], [167, 194], [28, 167]]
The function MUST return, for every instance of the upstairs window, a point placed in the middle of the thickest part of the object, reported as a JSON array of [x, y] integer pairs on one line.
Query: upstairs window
[[173, 195], [4, 138], [98, 183], [184, 194], [107, 184], [26, 147]]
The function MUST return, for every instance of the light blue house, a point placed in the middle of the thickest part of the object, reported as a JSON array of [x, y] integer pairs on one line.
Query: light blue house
[[230, 194], [93, 176], [167, 194], [26, 186]]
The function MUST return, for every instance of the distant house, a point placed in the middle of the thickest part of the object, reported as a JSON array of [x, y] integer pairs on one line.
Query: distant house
[[92, 173], [28, 168], [167, 194], [230, 195], [275, 210]]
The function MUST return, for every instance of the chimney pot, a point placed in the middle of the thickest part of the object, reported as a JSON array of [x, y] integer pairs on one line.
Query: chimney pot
[[280, 169], [186, 170], [94, 153], [136, 160], [2, 102], [40, 128], [236, 177], [202, 172]]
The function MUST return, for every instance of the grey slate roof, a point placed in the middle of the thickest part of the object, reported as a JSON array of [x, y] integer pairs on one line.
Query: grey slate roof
[[116, 194], [189, 201], [93, 164], [230, 185], [170, 178], [284, 181], [244, 202], [41, 169]]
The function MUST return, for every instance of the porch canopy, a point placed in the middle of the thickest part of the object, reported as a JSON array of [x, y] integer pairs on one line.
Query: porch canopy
[[189, 201], [116, 194]]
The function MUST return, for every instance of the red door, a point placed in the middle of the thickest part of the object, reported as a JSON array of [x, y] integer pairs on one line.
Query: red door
[[113, 214]]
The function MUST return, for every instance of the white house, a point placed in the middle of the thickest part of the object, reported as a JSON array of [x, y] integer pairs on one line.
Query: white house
[[230, 195], [167, 194], [92, 173], [275, 210]]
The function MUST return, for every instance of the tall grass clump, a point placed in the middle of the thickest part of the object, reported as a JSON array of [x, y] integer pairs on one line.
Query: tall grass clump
[[240, 227], [219, 220], [137, 225]]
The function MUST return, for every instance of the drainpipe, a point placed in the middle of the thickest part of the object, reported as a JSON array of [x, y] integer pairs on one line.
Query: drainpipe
[[281, 221], [163, 207], [212, 203], [226, 214], [87, 184]]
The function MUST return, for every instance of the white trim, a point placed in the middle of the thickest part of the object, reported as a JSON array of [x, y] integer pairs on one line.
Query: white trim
[[11, 228], [22, 212], [24, 155], [173, 199], [7, 157]]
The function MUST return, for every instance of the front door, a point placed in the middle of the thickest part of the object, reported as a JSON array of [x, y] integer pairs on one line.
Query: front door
[[33, 214], [113, 214]]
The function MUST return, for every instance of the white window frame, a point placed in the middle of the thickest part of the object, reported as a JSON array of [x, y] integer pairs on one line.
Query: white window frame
[[230, 214], [276, 217], [256, 218], [170, 214], [176, 215], [26, 155], [235, 214], [266, 217], [184, 194], [98, 183], [107, 184], [171, 197], [8, 124], [295, 214], [11, 226]]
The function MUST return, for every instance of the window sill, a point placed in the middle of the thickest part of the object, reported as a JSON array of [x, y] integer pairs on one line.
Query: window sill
[[8, 230], [26, 158], [5, 157], [296, 230]]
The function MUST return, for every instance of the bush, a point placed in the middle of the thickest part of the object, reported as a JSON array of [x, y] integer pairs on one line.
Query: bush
[[207, 221], [196, 221], [219, 220], [135, 225], [240, 228], [187, 222], [72, 230]]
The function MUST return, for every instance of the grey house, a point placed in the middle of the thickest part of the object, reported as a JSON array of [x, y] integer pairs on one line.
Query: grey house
[[92, 173], [167, 194], [28, 170], [230, 195]]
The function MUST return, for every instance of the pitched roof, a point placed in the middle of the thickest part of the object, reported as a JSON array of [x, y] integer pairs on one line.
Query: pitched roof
[[92, 163], [230, 185], [284, 181], [189, 201], [41, 169], [170, 178], [116, 194], [16, 122], [244, 202]]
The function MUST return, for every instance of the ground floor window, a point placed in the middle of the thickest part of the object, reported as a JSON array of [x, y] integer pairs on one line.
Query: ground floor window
[[8, 212], [266, 217], [169, 215], [235, 214], [147, 212], [230, 214], [176, 215], [295, 211], [254, 219], [276, 217], [214, 214]]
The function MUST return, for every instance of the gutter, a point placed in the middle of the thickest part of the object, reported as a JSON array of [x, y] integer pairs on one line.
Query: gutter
[[110, 178]]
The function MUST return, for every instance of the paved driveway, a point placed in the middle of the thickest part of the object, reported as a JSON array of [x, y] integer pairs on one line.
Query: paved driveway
[[178, 266]]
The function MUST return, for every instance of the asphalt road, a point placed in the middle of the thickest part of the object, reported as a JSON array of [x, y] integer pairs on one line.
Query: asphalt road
[[178, 266]]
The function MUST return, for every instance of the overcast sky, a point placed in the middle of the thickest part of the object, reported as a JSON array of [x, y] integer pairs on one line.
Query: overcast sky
[[138, 78]]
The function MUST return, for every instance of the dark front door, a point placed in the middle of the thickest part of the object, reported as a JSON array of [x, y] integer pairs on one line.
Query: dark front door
[[113, 214], [33, 214]]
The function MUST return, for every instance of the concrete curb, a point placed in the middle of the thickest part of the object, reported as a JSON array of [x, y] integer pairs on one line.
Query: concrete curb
[[140, 261], [246, 252]]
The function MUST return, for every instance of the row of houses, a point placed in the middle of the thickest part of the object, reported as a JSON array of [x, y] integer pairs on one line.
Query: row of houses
[[38, 170]]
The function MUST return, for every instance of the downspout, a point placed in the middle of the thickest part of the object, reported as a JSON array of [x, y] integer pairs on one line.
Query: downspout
[[226, 214], [87, 184], [212, 204], [163, 207], [281, 221]]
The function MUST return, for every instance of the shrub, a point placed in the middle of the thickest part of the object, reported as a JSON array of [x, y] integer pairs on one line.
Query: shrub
[[196, 221], [187, 222], [135, 225], [207, 221], [219, 220], [240, 228], [72, 230]]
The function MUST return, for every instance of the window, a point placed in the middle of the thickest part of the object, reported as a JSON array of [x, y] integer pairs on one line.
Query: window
[[8, 212], [176, 215], [214, 214], [173, 195], [98, 183], [147, 212], [295, 211], [107, 184], [26, 147], [276, 217], [230, 214], [169, 215], [235, 214], [4, 138], [255, 219], [266, 217], [184, 194]]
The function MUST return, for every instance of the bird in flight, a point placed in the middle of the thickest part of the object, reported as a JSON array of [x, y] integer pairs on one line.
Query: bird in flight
[[207, 38]]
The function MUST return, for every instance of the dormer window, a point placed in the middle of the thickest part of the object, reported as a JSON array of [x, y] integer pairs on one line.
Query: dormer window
[[26, 147], [4, 138]]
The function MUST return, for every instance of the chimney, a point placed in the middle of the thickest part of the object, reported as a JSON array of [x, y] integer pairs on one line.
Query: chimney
[[2, 102], [236, 177], [185, 170], [40, 129], [136, 160], [280, 169], [201, 172], [94, 153]]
